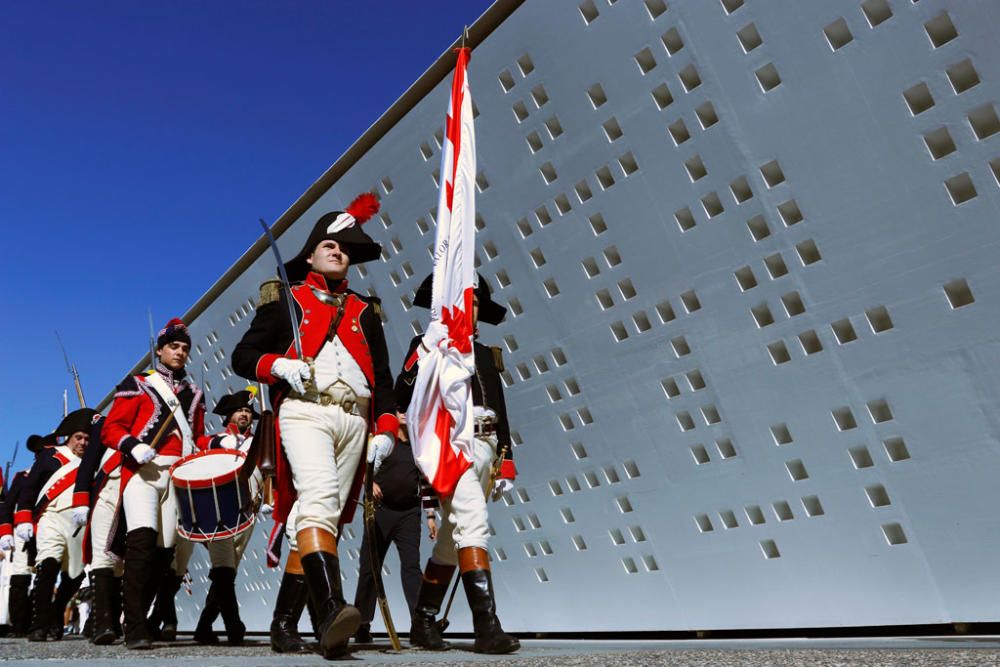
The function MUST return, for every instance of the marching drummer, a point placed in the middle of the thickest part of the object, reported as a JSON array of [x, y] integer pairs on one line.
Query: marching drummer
[[155, 419]]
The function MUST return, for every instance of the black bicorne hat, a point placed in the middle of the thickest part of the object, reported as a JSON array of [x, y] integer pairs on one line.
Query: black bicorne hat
[[490, 311], [230, 403], [344, 227], [35, 443], [78, 421]]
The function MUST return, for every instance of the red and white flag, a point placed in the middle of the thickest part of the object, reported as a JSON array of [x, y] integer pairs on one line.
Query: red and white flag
[[440, 415]]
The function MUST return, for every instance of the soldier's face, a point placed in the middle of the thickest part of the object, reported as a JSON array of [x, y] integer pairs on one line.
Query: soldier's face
[[475, 310], [241, 418], [78, 442], [174, 355], [330, 259]]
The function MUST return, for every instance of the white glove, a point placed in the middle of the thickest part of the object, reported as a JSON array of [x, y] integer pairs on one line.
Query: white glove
[[25, 531], [380, 448], [229, 442], [80, 516], [435, 334], [502, 486], [266, 509], [143, 453], [7, 543], [293, 371]]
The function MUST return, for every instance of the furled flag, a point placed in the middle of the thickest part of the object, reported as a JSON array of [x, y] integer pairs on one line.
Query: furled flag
[[440, 414]]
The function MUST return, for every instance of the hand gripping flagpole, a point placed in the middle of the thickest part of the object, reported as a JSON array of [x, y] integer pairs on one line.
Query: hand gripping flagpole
[[287, 286]]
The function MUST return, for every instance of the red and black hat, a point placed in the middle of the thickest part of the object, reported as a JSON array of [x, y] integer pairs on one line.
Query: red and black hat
[[490, 311], [230, 403], [78, 421], [36, 443], [175, 330], [344, 227]]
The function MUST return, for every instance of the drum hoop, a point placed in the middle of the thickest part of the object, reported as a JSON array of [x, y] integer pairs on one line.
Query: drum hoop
[[219, 480], [219, 535]]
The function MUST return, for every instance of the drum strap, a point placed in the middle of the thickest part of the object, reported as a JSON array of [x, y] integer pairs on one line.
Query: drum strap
[[167, 395]]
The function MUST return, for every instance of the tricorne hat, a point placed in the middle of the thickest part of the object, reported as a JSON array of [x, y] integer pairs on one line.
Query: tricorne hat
[[78, 421], [35, 443], [490, 311], [344, 227], [230, 403]]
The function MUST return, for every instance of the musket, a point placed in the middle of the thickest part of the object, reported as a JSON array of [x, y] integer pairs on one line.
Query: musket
[[6, 472], [376, 566], [287, 287], [65, 403], [152, 341], [71, 369]]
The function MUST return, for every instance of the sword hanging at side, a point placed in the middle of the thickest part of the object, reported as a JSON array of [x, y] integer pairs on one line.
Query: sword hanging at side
[[287, 287], [376, 566]]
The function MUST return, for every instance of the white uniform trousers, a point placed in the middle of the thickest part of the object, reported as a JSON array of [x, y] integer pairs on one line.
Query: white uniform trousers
[[324, 445], [293, 515], [19, 558], [463, 514], [55, 538], [150, 502], [100, 524], [5, 572]]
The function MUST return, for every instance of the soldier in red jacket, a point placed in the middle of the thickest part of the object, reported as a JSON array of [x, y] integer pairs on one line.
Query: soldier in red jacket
[[326, 402], [155, 419]]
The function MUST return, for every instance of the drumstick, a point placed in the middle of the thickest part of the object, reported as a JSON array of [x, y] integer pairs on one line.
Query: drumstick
[[159, 433]]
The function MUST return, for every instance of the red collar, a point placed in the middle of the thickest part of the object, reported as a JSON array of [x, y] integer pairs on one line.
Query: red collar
[[320, 282]]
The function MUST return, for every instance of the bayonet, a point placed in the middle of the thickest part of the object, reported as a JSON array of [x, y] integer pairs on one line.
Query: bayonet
[[71, 369], [6, 472], [152, 341]]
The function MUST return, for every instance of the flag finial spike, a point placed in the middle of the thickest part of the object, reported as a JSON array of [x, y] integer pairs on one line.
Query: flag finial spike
[[465, 35]]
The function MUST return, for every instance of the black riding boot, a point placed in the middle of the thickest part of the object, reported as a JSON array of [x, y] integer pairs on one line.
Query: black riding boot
[[67, 589], [140, 549], [203, 633], [225, 579], [338, 621], [288, 607], [105, 586], [45, 583], [490, 637], [163, 619], [20, 604], [424, 628]]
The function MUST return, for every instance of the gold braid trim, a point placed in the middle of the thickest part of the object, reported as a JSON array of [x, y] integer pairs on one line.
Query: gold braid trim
[[270, 291]]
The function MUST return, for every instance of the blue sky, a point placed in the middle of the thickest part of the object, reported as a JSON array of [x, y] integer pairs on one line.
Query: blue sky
[[140, 142]]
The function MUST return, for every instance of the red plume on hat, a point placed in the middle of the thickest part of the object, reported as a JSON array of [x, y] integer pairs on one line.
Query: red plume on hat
[[344, 227], [363, 207]]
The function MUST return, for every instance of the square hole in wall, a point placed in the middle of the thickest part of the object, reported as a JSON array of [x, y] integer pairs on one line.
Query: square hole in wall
[[741, 190], [918, 98], [958, 293], [894, 534], [961, 188], [762, 315], [661, 96], [939, 143], [754, 514], [728, 518], [558, 356], [548, 172], [879, 411], [685, 219], [645, 60], [572, 386], [590, 267], [539, 95], [629, 565], [775, 265], [695, 380], [725, 448], [583, 192], [612, 257], [700, 454], [731, 5], [503, 280], [695, 168], [772, 173], [844, 419], [597, 96], [516, 308], [597, 224], [790, 213], [618, 331], [984, 121], [877, 496], [551, 288], [758, 228], [678, 131], [543, 216], [704, 523], [690, 301], [562, 204], [712, 205], [876, 11], [878, 319], [641, 321], [670, 388], [769, 549], [553, 127], [631, 469], [838, 34], [680, 346], [628, 164], [812, 506], [624, 504], [520, 111], [665, 312], [796, 470], [578, 543], [525, 64], [793, 304], [588, 11], [779, 352], [685, 422], [425, 150], [534, 142], [749, 37], [655, 8], [810, 342], [537, 257], [768, 77], [808, 252], [690, 78], [506, 80], [782, 511], [604, 178], [627, 289], [940, 30], [706, 115], [612, 130], [710, 414], [524, 228], [860, 457], [963, 76], [843, 330], [895, 449], [672, 41], [781, 434]]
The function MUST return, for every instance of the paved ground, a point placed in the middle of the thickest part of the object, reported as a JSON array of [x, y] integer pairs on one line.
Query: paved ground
[[909, 652]]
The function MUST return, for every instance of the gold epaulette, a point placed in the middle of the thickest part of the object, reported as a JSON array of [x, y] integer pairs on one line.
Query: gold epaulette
[[497, 357], [270, 291]]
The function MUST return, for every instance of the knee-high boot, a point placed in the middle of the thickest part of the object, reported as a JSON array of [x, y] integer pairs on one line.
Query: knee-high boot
[[140, 548], [67, 589], [203, 633], [424, 629], [162, 620], [20, 604], [478, 582], [288, 607], [338, 621], [104, 606], [229, 605], [45, 583]]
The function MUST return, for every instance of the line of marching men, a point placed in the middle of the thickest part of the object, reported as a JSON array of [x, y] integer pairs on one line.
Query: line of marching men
[[103, 494]]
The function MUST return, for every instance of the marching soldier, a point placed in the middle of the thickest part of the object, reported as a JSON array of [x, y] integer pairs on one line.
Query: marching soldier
[[328, 396], [155, 419], [59, 544], [95, 499], [464, 533], [16, 546]]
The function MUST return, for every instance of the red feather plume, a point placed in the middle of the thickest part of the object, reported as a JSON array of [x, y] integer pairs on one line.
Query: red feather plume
[[363, 207]]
